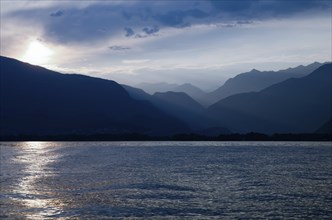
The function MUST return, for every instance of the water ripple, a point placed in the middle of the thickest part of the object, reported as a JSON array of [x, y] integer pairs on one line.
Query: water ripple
[[166, 180]]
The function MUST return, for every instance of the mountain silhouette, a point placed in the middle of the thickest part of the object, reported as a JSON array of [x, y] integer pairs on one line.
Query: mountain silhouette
[[191, 90], [180, 99], [136, 93], [181, 106], [297, 105], [35, 100], [255, 81], [152, 88]]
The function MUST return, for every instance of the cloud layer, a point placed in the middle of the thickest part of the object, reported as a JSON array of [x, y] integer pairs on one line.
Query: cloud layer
[[161, 39], [64, 23]]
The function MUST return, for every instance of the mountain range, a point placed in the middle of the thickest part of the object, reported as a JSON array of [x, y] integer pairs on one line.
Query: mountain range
[[296, 105], [35, 100], [191, 90], [252, 81], [255, 81], [181, 106]]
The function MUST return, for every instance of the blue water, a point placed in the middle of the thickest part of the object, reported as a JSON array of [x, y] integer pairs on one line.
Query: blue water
[[166, 180]]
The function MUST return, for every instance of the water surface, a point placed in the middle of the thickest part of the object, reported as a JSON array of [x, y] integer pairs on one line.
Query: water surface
[[166, 180]]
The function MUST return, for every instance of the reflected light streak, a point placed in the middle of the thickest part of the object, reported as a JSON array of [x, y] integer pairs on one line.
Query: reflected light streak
[[36, 157]]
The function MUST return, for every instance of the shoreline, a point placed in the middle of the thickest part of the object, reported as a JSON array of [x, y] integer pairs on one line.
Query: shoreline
[[179, 137]]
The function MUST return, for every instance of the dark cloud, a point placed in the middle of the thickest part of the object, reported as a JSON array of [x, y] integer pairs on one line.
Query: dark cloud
[[264, 9], [57, 14], [88, 24], [177, 17], [102, 20], [285, 8], [129, 32], [141, 36], [151, 30], [244, 22], [232, 6], [146, 32], [118, 48]]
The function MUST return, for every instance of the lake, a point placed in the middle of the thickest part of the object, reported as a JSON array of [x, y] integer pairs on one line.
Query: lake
[[166, 180]]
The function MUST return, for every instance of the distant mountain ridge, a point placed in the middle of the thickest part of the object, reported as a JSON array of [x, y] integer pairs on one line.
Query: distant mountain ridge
[[152, 88], [297, 105], [179, 99], [181, 106], [38, 101], [191, 90], [35, 100], [255, 81]]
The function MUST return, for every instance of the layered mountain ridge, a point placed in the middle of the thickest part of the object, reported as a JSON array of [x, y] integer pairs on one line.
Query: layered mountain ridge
[[255, 81], [297, 105], [35, 100]]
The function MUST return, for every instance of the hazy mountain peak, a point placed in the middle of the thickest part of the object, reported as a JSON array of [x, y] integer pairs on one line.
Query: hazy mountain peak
[[254, 71], [306, 105], [172, 94], [191, 90], [255, 81]]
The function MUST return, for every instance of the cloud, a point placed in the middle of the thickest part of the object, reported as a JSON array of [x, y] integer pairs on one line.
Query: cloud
[[90, 36], [57, 14], [244, 22], [141, 36], [176, 18], [129, 32], [135, 61], [147, 32], [263, 9], [82, 24], [118, 48], [151, 30]]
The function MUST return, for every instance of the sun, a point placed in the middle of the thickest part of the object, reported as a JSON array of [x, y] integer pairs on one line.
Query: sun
[[37, 53]]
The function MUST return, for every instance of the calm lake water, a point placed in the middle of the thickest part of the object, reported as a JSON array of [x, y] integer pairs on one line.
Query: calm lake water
[[166, 180]]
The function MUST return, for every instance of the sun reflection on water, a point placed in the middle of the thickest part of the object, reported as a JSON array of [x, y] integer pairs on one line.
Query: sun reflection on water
[[33, 194]]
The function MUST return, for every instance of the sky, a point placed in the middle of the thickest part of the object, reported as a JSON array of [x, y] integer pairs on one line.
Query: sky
[[200, 42]]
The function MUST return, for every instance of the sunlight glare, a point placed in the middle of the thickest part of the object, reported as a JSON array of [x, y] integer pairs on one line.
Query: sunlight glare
[[37, 53]]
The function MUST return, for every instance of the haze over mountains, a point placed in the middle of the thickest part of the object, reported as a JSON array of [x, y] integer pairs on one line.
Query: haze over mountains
[[35, 100], [254, 81], [179, 105], [191, 90], [296, 105]]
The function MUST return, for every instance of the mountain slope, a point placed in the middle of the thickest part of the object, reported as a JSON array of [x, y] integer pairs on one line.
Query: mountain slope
[[191, 90], [35, 100], [326, 128], [180, 99], [255, 81], [181, 106], [295, 105]]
